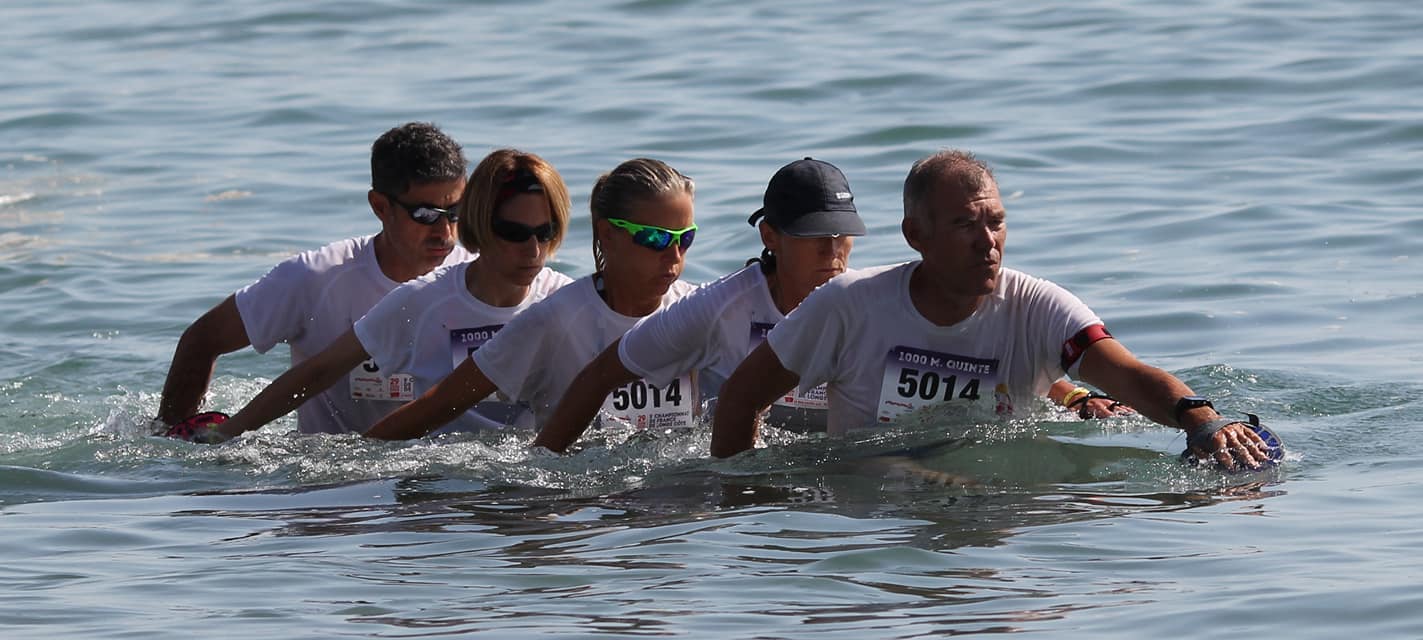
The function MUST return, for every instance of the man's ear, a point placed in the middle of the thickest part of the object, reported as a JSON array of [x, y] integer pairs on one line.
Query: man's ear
[[911, 229], [379, 204]]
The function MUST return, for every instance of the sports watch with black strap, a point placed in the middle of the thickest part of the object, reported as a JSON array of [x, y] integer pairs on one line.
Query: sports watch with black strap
[[1186, 403]]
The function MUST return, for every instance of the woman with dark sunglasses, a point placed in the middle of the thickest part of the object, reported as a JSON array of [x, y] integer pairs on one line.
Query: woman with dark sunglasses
[[514, 213], [642, 227]]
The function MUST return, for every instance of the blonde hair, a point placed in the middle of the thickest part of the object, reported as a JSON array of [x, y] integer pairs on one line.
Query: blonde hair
[[636, 179], [490, 185]]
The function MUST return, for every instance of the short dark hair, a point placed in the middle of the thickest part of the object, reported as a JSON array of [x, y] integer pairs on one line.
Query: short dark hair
[[963, 169], [414, 153]]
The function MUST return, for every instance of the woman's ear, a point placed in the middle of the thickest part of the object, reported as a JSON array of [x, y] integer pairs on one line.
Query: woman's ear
[[769, 238], [601, 229]]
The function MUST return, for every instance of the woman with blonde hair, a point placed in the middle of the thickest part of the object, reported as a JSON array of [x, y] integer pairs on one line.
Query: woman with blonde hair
[[642, 218]]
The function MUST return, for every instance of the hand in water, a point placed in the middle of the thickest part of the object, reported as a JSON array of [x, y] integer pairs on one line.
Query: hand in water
[[200, 428], [1103, 407], [1235, 445], [1096, 405]]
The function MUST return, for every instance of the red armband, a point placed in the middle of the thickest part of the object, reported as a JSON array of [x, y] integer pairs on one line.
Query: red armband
[[1077, 344]]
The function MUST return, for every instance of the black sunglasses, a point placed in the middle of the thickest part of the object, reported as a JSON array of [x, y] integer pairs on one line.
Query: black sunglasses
[[425, 213], [516, 232]]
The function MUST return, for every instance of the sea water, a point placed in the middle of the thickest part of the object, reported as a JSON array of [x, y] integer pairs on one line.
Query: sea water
[[1232, 186]]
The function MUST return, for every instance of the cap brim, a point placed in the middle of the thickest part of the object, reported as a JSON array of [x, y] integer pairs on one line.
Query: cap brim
[[825, 223]]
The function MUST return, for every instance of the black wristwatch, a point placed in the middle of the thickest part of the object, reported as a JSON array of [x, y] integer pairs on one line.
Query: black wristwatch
[[1186, 403]]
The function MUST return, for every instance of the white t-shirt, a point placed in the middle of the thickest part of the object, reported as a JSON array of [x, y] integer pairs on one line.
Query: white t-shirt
[[538, 354], [311, 299], [426, 327], [713, 329], [861, 334]]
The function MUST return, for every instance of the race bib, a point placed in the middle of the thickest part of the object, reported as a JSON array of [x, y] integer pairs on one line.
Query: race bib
[[812, 399], [917, 378], [648, 406], [367, 383], [464, 342]]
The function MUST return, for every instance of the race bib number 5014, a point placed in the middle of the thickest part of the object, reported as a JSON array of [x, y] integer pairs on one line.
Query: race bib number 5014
[[916, 378], [648, 406]]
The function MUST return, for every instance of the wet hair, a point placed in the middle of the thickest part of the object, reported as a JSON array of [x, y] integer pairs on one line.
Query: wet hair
[[500, 176], [960, 169], [635, 180], [414, 153], [767, 260]]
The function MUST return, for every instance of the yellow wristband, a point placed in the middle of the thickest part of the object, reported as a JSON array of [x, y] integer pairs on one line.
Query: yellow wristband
[[1074, 395]]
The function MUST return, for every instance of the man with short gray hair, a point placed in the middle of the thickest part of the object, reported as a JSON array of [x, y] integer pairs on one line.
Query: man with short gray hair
[[956, 331]]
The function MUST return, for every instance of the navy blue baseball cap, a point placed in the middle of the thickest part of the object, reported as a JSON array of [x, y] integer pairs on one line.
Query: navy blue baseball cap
[[810, 198]]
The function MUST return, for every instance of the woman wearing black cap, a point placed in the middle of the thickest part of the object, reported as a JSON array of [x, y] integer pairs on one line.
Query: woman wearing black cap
[[807, 228]]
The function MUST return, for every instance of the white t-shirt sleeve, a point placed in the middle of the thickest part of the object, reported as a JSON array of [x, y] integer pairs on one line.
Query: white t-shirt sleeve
[[808, 342], [1058, 315], [509, 358], [385, 330], [674, 341], [274, 309]]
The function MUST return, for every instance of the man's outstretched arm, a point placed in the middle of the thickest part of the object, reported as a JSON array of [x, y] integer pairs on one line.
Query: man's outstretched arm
[[1154, 392], [216, 332]]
